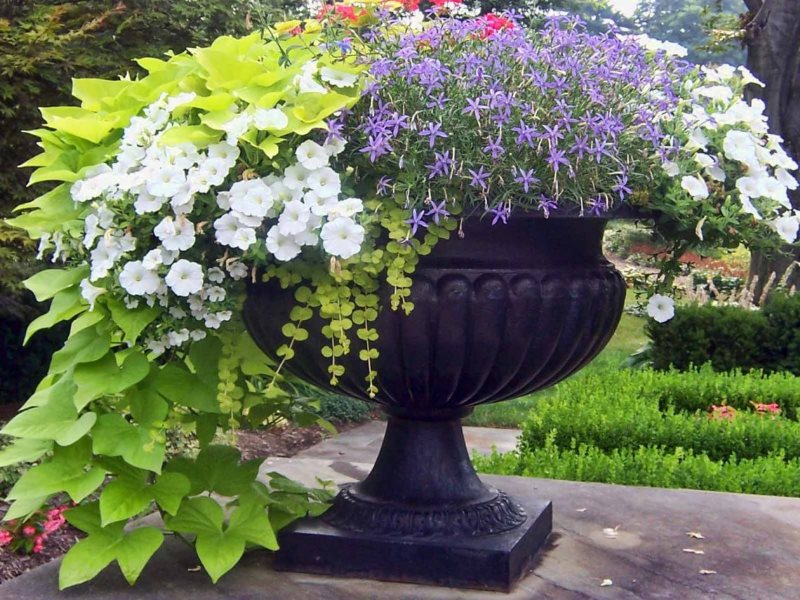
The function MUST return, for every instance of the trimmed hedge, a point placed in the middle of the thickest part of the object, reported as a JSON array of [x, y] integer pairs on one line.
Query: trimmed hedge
[[770, 475], [730, 337], [622, 409], [644, 427]]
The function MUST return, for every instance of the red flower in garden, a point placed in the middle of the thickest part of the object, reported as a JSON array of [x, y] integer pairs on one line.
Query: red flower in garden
[[5, 538], [772, 408], [410, 5], [443, 2], [494, 23], [722, 412]]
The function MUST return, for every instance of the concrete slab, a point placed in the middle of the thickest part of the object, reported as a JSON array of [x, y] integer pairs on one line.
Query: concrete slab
[[751, 547], [361, 444]]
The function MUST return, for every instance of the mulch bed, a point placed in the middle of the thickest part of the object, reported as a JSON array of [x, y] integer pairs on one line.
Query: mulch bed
[[284, 442]]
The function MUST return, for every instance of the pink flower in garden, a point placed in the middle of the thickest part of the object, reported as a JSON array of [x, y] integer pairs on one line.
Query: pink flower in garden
[[38, 544], [29, 531], [722, 412], [771, 408], [5, 538]]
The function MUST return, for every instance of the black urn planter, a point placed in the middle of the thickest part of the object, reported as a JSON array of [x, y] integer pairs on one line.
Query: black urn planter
[[501, 312]]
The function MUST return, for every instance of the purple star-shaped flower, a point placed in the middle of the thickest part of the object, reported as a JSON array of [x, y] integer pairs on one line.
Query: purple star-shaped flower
[[547, 204], [474, 108], [384, 185], [437, 211], [557, 158], [526, 179], [478, 178], [494, 147], [433, 131], [501, 213], [417, 220]]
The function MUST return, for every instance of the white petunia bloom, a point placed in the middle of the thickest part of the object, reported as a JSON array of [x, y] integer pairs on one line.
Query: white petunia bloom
[[175, 235], [342, 237], [185, 277], [215, 275], [672, 169], [787, 227], [101, 261], [748, 77], [319, 205], [311, 155], [774, 190], [243, 238], [346, 208], [167, 181], [325, 182], [252, 197], [236, 128], [295, 177], [137, 280], [229, 153], [294, 218], [90, 292], [740, 146], [147, 203], [697, 140], [337, 78], [661, 308], [225, 229], [695, 186], [335, 146], [237, 269], [91, 230], [305, 81], [283, 247], [715, 92], [284, 194], [215, 293], [153, 259], [272, 118], [749, 187], [787, 179], [215, 170]]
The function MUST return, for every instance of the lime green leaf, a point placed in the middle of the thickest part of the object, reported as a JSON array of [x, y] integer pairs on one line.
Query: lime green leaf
[[50, 212], [84, 561], [56, 420], [114, 436], [169, 490], [49, 391], [51, 477], [24, 450], [148, 408], [87, 319], [93, 92], [83, 123], [199, 135], [198, 516], [85, 346], [219, 553], [23, 508], [222, 472], [135, 549], [122, 499], [104, 377], [65, 305], [79, 429], [204, 356], [250, 521], [46, 284], [131, 322], [181, 387]]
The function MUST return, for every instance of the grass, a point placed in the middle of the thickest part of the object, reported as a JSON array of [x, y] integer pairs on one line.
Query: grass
[[628, 338]]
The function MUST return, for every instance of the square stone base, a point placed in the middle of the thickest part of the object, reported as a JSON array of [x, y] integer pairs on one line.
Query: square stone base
[[491, 562]]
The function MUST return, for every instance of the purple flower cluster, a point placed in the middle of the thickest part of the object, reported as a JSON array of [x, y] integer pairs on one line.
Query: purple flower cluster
[[518, 118]]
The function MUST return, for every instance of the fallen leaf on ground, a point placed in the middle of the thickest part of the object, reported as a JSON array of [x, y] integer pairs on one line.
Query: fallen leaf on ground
[[707, 572], [694, 551], [611, 532], [194, 569], [696, 535], [580, 510], [606, 583]]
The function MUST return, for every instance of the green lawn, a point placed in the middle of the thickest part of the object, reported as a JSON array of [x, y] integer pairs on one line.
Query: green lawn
[[628, 339]]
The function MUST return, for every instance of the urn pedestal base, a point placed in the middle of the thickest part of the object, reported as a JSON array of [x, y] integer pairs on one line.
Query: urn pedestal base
[[488, 562]]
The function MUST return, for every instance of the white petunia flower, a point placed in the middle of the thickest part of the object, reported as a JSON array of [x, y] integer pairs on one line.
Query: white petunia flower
[[740, 146], [175, 235], [774, 190], [225, 229], [319, 205], [342, 237], [325, 182], [695, 186], [137, 280], [185, 277], [147, 203], [749, 187], [311, 155], [166, 181], [671, 168], [179, 100], [294, 218], [697, 140], [704, 160], [305, 81], [215, 293], [283, 247], [91, 230], [715, 92], [335, 146], [252, 197], [295, 177], [90, 292], [272, 118], [787, 227], [215, 275], [787, 179], [244, 238], [748, 77], [197, 335], [237, 269], [661, 308], [346, 208], [229, 153], [236, 128], [337, 78], [215, 170], [153, 259]]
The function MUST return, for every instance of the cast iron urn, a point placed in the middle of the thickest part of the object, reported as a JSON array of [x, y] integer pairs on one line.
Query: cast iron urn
[[499, 312]]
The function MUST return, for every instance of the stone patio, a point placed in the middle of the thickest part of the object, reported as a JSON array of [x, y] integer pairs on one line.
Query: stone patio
[[635, 537]]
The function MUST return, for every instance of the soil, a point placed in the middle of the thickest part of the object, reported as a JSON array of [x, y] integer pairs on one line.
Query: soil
[[284, 442]]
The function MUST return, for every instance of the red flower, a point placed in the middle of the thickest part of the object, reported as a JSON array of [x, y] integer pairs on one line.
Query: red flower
[[29, 531], [494, 23], [410, 5], [443, 2], [5, 538]]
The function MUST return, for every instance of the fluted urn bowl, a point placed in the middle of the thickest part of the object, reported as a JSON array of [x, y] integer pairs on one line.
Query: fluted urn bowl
[[499, 312]]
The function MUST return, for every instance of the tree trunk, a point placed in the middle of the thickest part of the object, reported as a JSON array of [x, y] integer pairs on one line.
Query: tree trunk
[[772, 38]]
